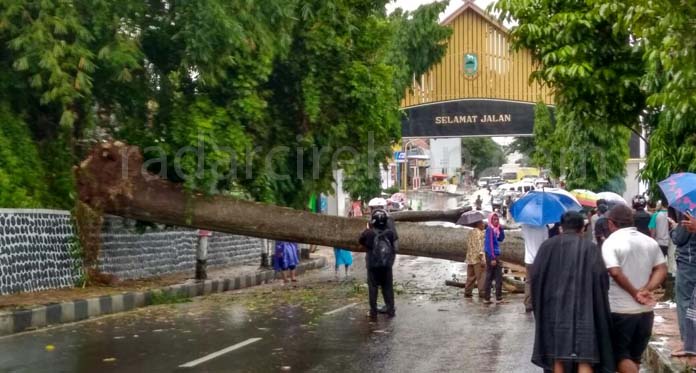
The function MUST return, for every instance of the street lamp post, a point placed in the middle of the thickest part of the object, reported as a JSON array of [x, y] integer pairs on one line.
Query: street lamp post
[[404, 173]]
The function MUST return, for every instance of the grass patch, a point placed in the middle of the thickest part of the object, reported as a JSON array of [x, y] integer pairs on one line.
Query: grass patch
[[169, 297]]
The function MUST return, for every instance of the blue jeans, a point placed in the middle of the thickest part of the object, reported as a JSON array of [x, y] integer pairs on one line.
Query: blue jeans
[[684, 287]]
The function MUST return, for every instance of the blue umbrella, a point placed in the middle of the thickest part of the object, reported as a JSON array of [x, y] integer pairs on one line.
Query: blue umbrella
[[541, 207], [680, 190]]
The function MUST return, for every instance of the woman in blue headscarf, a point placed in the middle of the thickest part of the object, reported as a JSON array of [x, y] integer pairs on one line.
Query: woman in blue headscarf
[[285, 259]]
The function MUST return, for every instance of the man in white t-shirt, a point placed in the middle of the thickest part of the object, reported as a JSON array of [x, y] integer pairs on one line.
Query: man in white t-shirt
[[533, 236], [636, 267]]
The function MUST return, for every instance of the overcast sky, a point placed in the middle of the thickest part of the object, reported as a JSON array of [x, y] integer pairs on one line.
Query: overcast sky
[[453, 5]]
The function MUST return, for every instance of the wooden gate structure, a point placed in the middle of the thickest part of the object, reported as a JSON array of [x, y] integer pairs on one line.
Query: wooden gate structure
[[480, 88]]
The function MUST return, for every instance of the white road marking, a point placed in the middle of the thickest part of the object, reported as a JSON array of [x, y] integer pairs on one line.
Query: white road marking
[[219, 353], [340, 309]]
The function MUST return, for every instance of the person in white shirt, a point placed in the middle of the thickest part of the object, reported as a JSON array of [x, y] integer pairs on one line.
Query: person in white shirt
[[533, 236], [636, 266]]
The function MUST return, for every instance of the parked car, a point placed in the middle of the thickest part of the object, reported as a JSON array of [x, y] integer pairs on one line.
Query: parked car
[[487, 181]]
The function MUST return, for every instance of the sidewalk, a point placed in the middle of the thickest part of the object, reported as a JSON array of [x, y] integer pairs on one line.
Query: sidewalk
[[29, 311], [665, 339]]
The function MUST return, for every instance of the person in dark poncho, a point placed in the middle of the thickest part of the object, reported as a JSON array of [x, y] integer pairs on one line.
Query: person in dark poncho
[[571, 306]]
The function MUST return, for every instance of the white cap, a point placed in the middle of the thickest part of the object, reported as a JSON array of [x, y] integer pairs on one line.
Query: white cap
[[377, 202]]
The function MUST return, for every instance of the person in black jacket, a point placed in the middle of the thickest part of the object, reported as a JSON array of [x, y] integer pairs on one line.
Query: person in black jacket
[[641, 218], [570, 287], [379, 242]]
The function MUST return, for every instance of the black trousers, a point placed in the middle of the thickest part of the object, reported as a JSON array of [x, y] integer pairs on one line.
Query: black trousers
[[493, 273], [381, 277]]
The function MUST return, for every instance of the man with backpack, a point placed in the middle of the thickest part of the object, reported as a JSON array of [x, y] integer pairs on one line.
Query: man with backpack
[[379, 259]]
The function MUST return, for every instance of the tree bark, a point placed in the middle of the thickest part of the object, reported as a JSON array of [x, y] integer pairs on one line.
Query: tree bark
[[112, 179], [435, 215]]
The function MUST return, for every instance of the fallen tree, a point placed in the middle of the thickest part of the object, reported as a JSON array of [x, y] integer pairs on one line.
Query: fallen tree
[[450, 216], [112, 180]]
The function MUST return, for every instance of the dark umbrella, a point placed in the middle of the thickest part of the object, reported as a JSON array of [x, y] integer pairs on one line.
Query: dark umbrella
[[470, 217]]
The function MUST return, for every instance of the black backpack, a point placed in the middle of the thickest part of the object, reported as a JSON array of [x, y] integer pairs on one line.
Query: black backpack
[[382, 251]]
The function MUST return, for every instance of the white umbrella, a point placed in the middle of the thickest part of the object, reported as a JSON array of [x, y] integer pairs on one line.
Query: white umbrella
[[612, 197], [562, 192]]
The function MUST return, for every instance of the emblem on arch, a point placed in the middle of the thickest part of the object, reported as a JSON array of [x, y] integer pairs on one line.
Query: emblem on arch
[[470, 65]]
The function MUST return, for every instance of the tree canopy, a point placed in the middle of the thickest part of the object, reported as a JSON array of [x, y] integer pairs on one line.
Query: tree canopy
[[483, 155], [615, 66], [228, 97]]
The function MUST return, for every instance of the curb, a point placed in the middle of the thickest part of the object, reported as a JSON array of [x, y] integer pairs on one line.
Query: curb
[[660, 361], [81, 309]]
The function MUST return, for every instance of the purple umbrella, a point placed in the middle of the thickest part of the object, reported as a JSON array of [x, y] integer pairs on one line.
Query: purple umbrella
[[680, 190]]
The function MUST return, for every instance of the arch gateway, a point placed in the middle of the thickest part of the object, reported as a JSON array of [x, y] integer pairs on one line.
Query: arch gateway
[[481, 88]]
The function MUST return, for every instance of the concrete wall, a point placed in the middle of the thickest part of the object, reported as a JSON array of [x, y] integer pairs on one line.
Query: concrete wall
[[129, 253], [35, 248]]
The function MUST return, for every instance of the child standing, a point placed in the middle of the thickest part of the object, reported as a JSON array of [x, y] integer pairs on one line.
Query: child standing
[[343, 258], [285, 259]]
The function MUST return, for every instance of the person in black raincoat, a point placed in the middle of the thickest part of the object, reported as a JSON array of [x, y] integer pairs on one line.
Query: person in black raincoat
[[571, 306]]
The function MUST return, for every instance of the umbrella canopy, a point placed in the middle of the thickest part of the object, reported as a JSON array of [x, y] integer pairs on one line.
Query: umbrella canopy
[[566, 194], [612, 198], [585, 197], [680, 190], [377, 202], [398, 197], [543, 207], [470, 217]]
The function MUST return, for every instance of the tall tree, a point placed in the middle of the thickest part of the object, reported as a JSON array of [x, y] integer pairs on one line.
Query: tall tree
[[227, 97], [664, 31], [524, 146], [483, 155], [591, 66]]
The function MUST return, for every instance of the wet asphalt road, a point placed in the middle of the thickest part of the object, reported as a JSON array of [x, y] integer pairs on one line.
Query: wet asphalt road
[[435, 330]]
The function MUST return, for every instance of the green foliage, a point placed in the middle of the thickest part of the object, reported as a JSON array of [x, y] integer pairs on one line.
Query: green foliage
[[362, 179], [547, 153], [228, 97], [595, 70], [483, 154], [168, 297], [523, 145], [77, 255], [666, 32], [672, 147], [391, 190], [22, 182], [592, 156], [419, 42], [590, 63]]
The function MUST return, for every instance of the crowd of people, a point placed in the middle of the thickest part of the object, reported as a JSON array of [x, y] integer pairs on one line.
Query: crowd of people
[[593, 299], [592, 295], [591, 282]]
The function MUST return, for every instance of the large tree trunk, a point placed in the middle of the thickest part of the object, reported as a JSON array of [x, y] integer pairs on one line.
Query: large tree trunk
[[112, 180], [434, 215]]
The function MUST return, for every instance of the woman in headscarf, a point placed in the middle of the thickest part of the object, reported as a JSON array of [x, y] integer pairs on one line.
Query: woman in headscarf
[[494, 268], [285, 259]]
